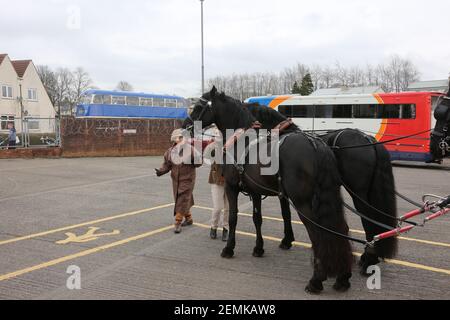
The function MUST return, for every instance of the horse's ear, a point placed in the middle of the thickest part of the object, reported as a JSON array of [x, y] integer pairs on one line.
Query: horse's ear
[[213, 91]]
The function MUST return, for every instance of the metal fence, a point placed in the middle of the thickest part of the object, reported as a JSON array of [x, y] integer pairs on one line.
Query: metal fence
[[31, 132]]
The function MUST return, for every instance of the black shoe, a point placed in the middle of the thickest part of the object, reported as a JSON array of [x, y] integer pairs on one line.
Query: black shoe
[[213, 234], [225, 235], [187, 223], [177, 228]]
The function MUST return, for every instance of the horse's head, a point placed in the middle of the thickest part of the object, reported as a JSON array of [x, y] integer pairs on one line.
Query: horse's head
[[201, 111], [223, 111], [440, 138]]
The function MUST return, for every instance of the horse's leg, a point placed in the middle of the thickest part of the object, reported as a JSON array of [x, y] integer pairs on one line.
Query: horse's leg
[[258, 251], [315, 285], [232, 195], [342, 283], [286, 243], [369, 257]]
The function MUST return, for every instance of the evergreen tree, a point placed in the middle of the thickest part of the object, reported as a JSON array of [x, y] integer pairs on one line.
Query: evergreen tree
[[295, 89], [307, 86]]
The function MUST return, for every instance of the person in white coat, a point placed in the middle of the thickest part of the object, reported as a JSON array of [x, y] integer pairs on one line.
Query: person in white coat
[[217, 182]]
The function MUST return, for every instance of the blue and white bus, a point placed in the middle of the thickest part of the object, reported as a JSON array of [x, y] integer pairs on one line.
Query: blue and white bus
[[118, 104]]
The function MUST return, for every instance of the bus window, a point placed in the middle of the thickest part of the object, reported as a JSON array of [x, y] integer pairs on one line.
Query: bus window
[[118, 100], [180, 103], [158, 102], [302, 111], [148, 102], [86, 99], [324, 111], [106, 99], [132, 101], [365, 111], [285, 111], [408, 111], [98, 99], [342, 111], [388, 111], [172, 103]]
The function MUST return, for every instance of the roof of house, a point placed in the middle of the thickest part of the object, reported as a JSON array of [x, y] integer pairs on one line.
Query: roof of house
[[347, 90], [21, 66], [2, 56]]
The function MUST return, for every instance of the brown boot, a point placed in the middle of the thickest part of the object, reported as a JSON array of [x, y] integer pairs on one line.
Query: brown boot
[[178, 222], [188, 221]]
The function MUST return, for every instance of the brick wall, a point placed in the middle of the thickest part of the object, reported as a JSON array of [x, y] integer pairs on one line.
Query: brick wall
[[116, 137], [31, 153]]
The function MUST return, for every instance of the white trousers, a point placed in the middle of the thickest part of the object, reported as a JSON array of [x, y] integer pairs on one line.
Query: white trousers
[[220, 203]]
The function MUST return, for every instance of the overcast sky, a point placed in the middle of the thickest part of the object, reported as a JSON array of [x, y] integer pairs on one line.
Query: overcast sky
[[155, 44]]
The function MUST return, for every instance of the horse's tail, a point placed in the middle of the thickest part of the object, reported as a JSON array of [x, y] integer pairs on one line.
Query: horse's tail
[[382, 196], [333, 252]]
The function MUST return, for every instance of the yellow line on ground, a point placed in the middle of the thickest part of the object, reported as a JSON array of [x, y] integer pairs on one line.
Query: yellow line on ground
[[120, 216], [82, 254], [307, 245], [433, 243]]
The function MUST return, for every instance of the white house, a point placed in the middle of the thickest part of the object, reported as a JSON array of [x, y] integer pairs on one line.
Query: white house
[[20, 82]]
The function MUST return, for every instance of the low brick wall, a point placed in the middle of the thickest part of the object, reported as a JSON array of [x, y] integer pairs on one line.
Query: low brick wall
[[31, 153], [116, 137]]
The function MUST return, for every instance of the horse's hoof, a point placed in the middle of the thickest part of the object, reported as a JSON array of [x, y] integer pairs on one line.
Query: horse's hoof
[[227, 253], [258, 253], [363, 271], [314, 287], [341, 286], [285, 246]]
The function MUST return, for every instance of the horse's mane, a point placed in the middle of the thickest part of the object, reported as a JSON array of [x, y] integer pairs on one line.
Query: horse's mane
[[267, 116], [241, 112]]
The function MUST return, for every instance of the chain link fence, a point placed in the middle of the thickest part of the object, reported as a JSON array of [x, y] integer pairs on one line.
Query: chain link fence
[[30, 132]]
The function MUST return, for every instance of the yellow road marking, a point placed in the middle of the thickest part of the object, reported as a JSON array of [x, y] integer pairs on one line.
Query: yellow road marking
[[433, 243], [89, 236], [82, 254], [308, 245], [123, 215]]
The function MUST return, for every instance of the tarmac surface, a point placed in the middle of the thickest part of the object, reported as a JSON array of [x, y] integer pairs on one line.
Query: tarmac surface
[[112, 218]]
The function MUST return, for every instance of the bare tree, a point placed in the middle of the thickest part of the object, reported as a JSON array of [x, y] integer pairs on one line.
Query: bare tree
[[64, 82], [124, 86], [393, 75], [81, 81], [49, 81]]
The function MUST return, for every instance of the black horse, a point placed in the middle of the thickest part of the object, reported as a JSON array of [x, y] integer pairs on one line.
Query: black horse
[[440, 138], [310, 179], [366, 172]]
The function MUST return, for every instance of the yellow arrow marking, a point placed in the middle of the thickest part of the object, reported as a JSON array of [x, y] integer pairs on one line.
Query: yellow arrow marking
[[120, 216], [82, 254], [91, 235]]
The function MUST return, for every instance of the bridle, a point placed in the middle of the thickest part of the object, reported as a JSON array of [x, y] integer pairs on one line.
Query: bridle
[[207, 105]]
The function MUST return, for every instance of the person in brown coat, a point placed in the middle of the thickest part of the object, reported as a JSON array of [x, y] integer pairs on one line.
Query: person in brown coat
[[181, 160]]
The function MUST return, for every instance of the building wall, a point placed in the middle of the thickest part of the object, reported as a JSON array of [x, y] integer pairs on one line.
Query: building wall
[[40, 108], [8, 76]]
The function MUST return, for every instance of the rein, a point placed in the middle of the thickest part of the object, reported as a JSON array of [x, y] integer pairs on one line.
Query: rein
[[379, 143]]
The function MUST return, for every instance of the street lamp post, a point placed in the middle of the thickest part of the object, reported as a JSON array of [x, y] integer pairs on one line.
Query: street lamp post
[[203, 52]]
